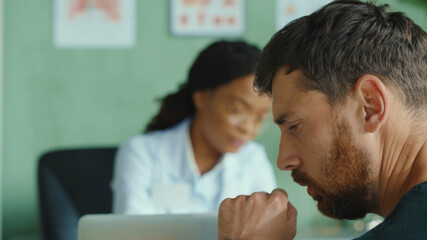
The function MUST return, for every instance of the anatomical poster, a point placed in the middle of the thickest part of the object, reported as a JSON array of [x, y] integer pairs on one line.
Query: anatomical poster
[[94, 23], [289, 10], [207, 17]]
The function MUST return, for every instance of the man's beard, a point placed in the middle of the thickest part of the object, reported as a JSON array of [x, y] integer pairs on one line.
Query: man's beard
[[343, 189]]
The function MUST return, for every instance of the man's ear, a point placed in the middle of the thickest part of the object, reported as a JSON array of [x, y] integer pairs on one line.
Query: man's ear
[[373, 95], [200, 99]]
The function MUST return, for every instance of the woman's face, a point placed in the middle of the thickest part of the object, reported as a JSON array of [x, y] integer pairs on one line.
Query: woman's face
[[232, 114]]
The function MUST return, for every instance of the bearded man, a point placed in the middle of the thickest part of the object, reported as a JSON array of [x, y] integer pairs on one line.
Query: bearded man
[[349, 90]]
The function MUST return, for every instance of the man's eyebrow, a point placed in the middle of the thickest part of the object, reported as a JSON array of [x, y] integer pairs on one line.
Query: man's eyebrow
[[280, 119]]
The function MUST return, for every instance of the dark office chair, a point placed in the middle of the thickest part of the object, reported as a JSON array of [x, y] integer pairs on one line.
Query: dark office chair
[[72, 183]]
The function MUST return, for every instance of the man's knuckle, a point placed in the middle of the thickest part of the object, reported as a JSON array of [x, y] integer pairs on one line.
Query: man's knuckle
[[279, 201], [225, 203]]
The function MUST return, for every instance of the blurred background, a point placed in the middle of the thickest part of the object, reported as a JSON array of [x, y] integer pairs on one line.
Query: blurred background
[[54, 97]]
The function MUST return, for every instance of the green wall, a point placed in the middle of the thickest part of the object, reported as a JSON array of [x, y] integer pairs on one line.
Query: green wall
[[57, 98]]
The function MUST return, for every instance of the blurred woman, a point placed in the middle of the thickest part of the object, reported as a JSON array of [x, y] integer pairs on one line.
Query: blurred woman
[[197, 150]]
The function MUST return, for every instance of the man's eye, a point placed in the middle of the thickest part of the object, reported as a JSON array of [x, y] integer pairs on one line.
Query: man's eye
[[279, 122], [293, 127]]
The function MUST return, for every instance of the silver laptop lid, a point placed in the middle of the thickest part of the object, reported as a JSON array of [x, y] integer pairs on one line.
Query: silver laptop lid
[[148, 227]]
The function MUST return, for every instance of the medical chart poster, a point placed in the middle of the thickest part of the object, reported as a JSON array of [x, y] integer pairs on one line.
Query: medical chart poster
[[94, 23], [207, 17], [289, 10]]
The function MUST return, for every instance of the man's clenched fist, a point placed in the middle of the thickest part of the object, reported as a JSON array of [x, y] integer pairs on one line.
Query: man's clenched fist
[[259, 216]]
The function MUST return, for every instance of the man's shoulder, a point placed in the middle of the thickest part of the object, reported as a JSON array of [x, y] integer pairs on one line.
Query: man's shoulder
[[407, 221]]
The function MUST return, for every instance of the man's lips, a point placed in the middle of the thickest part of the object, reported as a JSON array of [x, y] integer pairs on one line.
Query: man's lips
[[310, 190], [304, 180]]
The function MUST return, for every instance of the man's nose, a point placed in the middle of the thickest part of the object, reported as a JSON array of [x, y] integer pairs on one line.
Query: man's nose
[[288, 159]]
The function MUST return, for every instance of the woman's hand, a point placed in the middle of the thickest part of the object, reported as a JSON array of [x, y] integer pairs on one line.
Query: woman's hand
[[259, 216]]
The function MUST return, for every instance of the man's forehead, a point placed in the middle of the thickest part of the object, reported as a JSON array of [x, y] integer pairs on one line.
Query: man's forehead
[[283, 92], [288, 95], [284, 82]]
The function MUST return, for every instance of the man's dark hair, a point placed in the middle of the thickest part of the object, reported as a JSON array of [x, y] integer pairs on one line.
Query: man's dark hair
[[337, 44]]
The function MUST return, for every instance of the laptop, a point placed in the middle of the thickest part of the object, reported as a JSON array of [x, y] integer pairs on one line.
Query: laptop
[[148, 227]]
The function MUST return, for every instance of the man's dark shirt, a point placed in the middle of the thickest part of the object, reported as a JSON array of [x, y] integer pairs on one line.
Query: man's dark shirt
[[408, 220]]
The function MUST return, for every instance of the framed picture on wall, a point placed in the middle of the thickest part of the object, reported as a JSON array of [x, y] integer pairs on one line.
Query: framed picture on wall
[[207, 17], [94, 23], [289, 10]]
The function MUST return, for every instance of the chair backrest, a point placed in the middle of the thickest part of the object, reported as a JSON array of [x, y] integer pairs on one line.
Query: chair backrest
[[72, 183]]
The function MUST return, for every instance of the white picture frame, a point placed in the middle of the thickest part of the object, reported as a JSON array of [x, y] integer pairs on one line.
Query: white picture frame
[[289, 10], [94, 23], [215, 18]]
